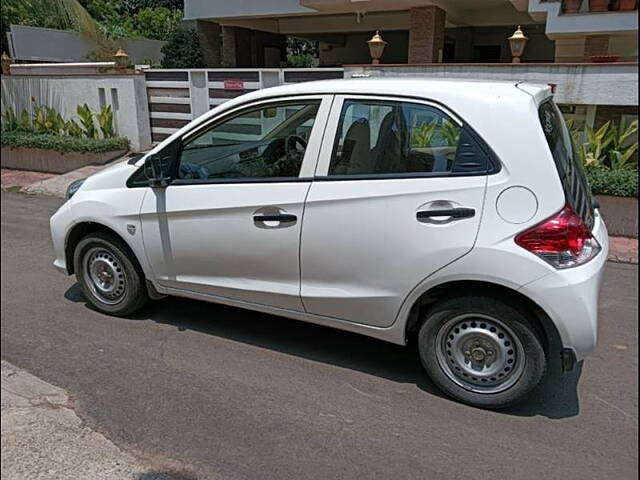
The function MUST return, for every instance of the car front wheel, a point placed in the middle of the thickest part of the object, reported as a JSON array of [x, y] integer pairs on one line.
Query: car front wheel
[[109, 275], [482, 350]]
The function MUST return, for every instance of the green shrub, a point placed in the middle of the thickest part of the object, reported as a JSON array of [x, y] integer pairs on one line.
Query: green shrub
[[182, 50], [47, 121], [299, 61], [157, 23], [86, 120], [61, 143], [618, 182], [105, 121], [609, 146]]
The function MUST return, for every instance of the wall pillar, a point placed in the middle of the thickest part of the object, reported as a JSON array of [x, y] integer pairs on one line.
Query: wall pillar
[[210, 42], [426, 34], [229, 47]]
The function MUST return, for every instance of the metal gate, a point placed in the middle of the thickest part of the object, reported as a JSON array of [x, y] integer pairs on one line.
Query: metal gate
[[177, 96]]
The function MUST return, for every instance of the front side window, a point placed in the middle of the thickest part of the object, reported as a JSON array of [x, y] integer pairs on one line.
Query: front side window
[[262, 142], [386, 137]]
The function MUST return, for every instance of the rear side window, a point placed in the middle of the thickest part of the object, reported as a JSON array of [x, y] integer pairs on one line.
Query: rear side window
[[572, 175], [396, 138]]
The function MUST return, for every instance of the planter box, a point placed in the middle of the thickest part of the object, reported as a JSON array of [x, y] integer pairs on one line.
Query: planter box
[[51, 161], [620, 214]]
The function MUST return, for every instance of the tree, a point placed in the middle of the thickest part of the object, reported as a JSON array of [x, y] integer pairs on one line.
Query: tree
[[182, 50], [301, 52], [140, 19], [300, 46], [158, 23], [134, 6], [60, 14]]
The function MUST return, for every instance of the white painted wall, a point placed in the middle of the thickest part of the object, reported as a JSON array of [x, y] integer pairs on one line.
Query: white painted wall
[[125, 93], [586, 84]]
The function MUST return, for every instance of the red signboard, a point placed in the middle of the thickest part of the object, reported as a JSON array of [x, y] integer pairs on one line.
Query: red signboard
[[233, 84]]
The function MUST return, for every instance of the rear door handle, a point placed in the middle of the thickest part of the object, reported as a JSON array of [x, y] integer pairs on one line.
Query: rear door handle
[[452, 213], [281, 217]]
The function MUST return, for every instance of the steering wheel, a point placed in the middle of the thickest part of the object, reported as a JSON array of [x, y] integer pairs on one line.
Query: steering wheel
[[290, 143]]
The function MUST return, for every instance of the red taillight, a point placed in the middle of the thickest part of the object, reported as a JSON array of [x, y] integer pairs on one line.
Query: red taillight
[[563, 240]]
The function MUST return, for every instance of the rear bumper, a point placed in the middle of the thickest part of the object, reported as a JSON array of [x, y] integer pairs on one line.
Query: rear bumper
[[570, 298]]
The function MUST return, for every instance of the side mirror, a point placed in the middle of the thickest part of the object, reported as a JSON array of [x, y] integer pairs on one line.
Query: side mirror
[[154, 171]]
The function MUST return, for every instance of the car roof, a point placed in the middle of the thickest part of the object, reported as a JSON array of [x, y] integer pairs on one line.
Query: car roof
[[439, 89]]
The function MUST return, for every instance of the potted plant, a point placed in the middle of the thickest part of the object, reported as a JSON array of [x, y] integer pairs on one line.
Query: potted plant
[[598, 5], [572, 6]]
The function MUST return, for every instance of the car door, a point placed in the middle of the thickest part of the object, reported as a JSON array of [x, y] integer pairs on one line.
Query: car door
[[398, 194], [228, 224]]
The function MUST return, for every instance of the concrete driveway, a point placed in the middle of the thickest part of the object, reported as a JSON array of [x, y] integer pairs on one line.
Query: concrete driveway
[[243, 395]]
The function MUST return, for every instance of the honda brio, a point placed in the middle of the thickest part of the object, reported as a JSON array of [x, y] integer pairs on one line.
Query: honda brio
[[452, 212]]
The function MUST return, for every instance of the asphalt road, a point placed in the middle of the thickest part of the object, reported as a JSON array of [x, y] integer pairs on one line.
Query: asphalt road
[[243, 395]]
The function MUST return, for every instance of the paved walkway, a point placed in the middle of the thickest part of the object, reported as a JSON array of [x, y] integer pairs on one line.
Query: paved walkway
[[621, 249], [43, 438]]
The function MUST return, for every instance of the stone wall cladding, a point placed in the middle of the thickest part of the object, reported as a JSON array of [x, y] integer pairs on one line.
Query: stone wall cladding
[[210, 37], [228, 47], [426, 34]]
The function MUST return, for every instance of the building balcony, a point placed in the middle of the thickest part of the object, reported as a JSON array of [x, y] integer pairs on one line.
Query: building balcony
[[559, 23]]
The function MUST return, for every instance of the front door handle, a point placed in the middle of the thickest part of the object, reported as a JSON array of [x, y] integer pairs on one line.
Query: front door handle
[[452, 213], [280, 217]]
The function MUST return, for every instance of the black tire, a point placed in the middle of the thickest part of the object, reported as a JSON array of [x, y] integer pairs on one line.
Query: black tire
[[444, 367], [133, 295]]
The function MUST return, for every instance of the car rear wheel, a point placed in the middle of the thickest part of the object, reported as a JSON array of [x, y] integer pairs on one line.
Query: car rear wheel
[[482, 351], [111, 279]]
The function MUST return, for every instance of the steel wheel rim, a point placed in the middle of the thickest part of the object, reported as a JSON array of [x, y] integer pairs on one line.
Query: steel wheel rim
[[480, 353], [104, 275]]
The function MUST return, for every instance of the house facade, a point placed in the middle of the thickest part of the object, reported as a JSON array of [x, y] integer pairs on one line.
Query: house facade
[[449, 38], [253, 33]]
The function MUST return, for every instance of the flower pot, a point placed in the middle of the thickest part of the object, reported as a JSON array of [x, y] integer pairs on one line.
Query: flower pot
[[572, 6], [627, 5], [598, 5]]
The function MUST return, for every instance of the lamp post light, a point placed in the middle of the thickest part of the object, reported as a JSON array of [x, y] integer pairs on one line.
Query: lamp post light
[[122, 59], [517, 42], [376, 47]]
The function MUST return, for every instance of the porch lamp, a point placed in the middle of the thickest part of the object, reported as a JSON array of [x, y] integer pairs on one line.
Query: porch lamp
[[517, 41], [122, 59], [376, 47]]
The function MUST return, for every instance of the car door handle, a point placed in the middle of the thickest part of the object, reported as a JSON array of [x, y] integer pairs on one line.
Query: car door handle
[[452, 213], [281, 217]]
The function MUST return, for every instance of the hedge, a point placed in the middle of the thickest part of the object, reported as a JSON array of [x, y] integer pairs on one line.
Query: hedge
[[619, 182], [63, 144]]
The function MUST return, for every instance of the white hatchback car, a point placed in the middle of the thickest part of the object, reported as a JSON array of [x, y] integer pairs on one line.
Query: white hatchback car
[[454, 209]]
